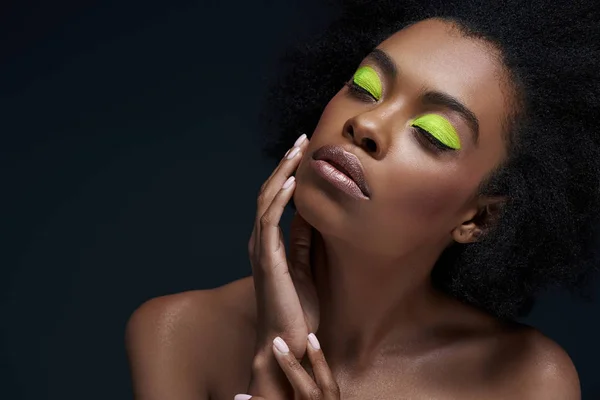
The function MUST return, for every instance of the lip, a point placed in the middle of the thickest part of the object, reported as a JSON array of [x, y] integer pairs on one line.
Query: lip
[[346, 163]]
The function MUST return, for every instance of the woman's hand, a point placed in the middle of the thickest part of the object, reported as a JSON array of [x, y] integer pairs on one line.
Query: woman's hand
[[322, 387], [287, 304]]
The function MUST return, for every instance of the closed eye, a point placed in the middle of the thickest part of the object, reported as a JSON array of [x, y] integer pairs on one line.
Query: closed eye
[[430, 140], [437, 128], [367, 79], [360, 92]]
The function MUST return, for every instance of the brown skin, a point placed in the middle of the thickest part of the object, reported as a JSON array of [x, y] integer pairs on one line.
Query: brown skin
[[385, 332]]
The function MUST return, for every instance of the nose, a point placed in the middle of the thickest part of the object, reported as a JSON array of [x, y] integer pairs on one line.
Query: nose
[[369, 130]]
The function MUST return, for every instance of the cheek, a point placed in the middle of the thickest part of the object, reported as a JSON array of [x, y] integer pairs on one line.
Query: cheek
[[422, 190]]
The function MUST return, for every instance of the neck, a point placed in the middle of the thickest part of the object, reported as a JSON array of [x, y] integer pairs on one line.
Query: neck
[[367, 302]]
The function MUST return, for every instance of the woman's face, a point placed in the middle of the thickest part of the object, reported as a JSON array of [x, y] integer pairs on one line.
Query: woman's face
[[425, 89]]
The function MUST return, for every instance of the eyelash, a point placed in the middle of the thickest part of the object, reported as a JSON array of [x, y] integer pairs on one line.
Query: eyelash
[[431, 141], [359, 92], [422, 135]]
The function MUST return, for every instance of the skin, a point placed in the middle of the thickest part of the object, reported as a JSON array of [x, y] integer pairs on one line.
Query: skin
[[385, 332]]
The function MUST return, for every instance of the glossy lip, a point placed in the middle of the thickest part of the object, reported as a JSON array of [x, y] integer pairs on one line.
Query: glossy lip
[[345, 162]]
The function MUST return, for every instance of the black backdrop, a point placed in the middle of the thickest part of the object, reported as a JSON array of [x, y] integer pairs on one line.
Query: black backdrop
[[130, 167]]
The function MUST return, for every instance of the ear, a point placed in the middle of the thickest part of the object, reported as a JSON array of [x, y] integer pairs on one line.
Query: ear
[[478, 220]]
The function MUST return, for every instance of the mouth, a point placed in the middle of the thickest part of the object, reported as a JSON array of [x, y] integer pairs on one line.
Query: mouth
[[345, 162]]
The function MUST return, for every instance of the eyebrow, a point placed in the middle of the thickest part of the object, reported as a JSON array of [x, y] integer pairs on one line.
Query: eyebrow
[[389, 67], [445, 100], [384, 61]]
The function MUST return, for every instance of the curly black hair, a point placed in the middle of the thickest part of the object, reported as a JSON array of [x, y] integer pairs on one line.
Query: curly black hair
[[546, 232]]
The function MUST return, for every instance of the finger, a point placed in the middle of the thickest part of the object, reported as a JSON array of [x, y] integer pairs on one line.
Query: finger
[[270, 186], [269, 190], [264, 243], [271, 244], [302, 383], [301, 143], [323, 375], [286, 168]]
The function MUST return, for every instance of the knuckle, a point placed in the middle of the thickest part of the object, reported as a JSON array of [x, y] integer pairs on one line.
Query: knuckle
[[322, 362], [293, 364], [314, 393], [265, 220], [262, 197]]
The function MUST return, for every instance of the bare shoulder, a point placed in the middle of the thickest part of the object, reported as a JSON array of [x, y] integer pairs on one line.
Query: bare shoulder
[[533, 366], [179, 345]]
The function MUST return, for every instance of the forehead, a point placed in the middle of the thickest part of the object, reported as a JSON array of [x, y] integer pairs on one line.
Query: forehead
[[433, 54]]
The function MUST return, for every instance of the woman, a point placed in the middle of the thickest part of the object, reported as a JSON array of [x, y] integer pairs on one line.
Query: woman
[[452, 178]]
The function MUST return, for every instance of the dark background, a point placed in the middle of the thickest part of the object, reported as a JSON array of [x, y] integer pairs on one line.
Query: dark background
[[130, 162]]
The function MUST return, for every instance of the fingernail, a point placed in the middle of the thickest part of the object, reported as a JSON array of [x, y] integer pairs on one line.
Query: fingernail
[[288, 182], [300, 140], [293, 152], [312, 339], [280, 345], [242, 397]]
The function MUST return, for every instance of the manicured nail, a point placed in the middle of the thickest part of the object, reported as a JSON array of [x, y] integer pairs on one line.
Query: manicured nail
[[300, 140], [288, 182], [242, 397], [312, 339], [293, 152], [280, 345]]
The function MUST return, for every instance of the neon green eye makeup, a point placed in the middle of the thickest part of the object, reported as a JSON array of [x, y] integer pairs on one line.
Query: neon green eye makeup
[[367, 78], [440, 128]]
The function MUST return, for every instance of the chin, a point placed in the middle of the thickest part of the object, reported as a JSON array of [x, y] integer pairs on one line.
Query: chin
[[331, 219], [322, 212]]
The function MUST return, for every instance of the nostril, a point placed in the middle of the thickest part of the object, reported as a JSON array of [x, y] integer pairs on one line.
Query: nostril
[[350, 130], [371, 145]]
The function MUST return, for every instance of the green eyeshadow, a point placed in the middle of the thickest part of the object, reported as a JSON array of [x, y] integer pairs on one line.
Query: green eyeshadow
[[440, 128], [367, 78]]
